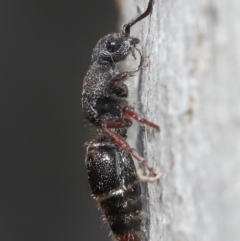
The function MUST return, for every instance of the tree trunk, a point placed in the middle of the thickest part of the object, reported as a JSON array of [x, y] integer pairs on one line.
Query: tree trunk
[[192, 90]]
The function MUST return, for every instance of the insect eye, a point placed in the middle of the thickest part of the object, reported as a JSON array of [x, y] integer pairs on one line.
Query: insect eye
[[113, 46]]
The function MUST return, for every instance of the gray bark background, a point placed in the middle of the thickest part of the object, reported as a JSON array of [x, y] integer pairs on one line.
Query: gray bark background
[[192, 90]]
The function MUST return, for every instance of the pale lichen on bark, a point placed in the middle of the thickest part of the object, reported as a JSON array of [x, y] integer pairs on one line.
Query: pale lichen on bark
[[192, 90]]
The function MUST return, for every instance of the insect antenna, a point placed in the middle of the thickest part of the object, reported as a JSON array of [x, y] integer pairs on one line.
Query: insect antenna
[[127, 26]]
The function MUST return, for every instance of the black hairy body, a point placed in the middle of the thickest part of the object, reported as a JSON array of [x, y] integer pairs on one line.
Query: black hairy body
[[100, 98], [115, 186], [104, 93], [110, 167]]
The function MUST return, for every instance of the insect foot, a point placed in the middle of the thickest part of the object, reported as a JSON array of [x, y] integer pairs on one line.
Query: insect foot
[[144, 178], [109, 160]]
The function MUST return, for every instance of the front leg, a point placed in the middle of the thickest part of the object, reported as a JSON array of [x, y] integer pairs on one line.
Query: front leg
[[127, 74]]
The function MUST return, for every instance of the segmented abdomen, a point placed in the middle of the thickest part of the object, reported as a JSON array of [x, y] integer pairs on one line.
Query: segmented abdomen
[[115, 186]]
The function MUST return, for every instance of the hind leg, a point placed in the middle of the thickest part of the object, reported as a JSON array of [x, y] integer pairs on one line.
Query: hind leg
[[122, 143]]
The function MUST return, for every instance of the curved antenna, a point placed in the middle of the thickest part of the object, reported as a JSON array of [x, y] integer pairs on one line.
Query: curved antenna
[[127, 26]]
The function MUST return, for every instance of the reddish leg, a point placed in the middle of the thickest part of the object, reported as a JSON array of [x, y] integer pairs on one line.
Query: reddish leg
[[121, 142], [119, 123], [133, 237], [140, 119]]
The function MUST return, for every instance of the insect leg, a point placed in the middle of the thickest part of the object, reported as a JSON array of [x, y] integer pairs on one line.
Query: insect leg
[[137, 117], [127, 74], [122, 143], [119, 89], [144, 178], [133, 237], [118, 123]]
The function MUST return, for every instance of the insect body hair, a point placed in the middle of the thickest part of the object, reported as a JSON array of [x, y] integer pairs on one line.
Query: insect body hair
[[109, 160], [116, 187]]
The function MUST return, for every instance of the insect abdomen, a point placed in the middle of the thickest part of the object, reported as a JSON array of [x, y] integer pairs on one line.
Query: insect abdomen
[[115, 186]]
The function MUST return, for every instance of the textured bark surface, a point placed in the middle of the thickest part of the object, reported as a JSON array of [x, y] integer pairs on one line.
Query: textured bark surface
[[192, 90]]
